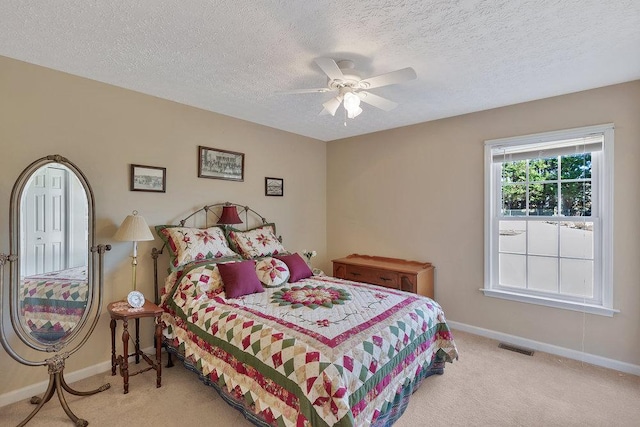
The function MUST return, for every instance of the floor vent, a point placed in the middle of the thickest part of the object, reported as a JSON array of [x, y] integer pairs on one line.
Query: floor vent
[[520, 350]]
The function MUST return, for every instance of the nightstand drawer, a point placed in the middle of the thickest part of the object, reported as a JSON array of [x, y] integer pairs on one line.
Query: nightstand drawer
[[374, 276]]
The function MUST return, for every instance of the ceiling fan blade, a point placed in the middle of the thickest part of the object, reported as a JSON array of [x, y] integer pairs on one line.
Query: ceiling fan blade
[[391, 78], [332, 105], [330, 68], [377, 101], [296, 91], [324, 112]]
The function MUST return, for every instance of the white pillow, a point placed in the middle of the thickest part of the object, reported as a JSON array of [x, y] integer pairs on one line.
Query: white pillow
[[194, 244], [258, 242]]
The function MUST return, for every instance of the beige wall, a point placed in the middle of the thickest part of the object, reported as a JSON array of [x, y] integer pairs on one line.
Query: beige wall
[[103, 129], [417, 192]]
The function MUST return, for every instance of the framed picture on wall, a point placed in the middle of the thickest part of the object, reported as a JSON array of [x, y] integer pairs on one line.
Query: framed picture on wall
[[148, 178], [273, 186], [220, 164]]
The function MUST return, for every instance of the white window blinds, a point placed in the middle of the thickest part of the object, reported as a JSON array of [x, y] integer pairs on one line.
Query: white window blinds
[[545, 150]]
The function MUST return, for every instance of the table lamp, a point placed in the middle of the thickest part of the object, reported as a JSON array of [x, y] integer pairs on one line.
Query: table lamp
[[134, 229]]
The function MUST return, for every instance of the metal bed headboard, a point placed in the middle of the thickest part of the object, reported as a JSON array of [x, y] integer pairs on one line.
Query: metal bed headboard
[[205, 217]]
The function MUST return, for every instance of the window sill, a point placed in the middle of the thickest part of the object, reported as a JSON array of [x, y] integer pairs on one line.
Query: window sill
[[550, 302]]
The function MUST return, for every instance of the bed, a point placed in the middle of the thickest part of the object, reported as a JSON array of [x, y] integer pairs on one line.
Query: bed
[[296, 349], [53, 303]]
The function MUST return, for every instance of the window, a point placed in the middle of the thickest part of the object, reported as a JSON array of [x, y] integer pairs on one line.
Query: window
[[548, 214]]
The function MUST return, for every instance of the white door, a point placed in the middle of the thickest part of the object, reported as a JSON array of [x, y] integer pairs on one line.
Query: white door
[[45, 222]]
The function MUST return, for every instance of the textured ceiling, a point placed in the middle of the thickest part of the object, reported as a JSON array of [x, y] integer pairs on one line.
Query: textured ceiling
[[232, 57]]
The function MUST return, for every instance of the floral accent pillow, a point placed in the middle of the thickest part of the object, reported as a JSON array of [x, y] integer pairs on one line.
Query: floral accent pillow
[[272, 272], [194, 244], [256, 243]]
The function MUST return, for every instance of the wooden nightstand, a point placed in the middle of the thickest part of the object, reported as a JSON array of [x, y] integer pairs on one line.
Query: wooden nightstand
[[410, 276], [121, 310]]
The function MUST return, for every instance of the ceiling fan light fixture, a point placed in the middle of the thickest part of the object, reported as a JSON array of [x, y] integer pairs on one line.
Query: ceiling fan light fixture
[[354, 114], [351, 88], [352, 104]]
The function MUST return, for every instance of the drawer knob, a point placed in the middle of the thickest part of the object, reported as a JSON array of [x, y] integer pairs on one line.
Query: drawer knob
[[355, 274], [386, 279]]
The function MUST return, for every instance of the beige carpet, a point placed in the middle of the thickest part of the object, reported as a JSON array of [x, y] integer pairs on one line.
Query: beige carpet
[[488, 386]]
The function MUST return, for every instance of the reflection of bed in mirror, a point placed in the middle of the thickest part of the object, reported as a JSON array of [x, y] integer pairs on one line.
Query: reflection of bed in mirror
[[52, 304]]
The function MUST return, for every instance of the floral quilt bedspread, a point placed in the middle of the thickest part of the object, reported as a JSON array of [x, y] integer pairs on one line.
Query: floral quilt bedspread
[[321, 352], [53, 303]]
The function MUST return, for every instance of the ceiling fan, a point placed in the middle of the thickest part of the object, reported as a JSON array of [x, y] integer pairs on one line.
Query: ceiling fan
[[351, 88]]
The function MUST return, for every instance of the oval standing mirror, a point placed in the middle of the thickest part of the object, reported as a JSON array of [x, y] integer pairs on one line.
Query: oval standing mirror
[[52, 277], [52, 234]]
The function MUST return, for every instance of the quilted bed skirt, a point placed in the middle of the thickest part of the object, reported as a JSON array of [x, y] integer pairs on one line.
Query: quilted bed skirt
[[242, 403]]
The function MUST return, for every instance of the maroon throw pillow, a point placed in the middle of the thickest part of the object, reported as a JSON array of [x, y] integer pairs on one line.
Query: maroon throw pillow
[[298, 269], [239, 278]]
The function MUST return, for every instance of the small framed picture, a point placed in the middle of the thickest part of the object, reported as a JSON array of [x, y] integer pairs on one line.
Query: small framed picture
[[220, 164], [148, 178], [273, 186]]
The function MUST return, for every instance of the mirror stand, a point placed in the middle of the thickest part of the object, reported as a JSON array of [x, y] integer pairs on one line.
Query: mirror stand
[[57, 384]]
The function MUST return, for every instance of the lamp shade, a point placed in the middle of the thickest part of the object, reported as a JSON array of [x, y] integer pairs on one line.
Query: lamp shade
[[229, 215], [133, 229]]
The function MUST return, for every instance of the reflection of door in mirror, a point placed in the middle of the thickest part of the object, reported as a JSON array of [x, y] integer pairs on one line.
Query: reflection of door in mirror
[[54, 248]]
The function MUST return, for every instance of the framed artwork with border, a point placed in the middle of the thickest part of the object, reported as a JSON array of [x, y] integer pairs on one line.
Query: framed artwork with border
[[220, 164], [148, 178], [273, 186]]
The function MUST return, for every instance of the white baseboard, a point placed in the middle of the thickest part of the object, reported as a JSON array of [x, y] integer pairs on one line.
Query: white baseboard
[[593, 359], [70, 377]]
